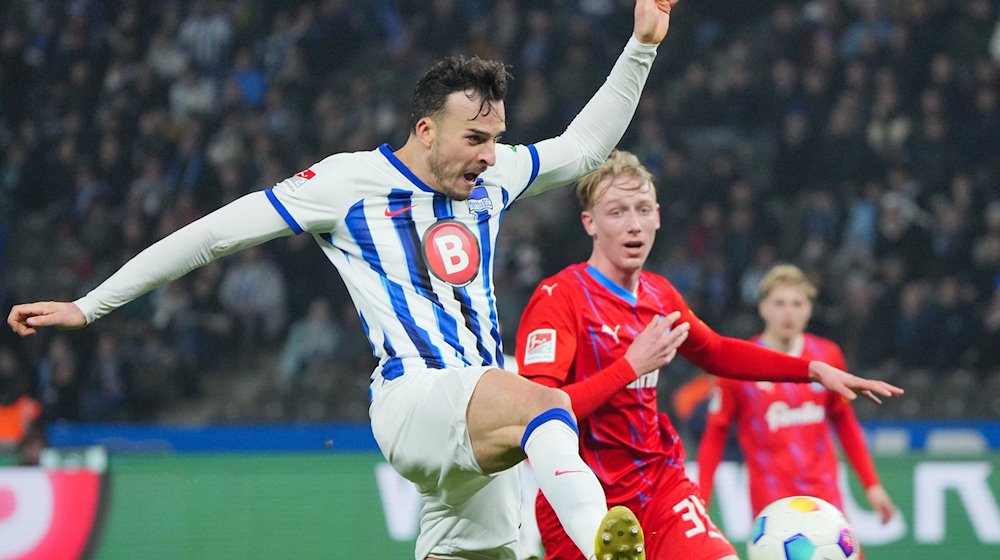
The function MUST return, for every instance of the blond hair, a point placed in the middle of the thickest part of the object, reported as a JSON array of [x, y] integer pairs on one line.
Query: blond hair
[[786, 275], [618, 163]]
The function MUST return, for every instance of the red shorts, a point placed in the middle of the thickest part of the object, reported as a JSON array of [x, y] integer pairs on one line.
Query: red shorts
[[674, 521]]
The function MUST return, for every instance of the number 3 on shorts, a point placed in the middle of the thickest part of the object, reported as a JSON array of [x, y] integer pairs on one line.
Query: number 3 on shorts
[[694, 513]]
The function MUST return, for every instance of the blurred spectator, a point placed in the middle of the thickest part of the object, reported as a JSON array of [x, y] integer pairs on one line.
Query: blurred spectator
[[18, 411], [58, 380], [154, 382], [193, 95], [207, 34], [31, 445], [253, 291], [796, 152], [249, 80], [693, 99], [214, 327], [312, 341], [954, 320], [870, 30], [534, 114], [900, 231], [105, 392], [765, 257], [166, 57], [860, 229], [950, 239], [913, 326]]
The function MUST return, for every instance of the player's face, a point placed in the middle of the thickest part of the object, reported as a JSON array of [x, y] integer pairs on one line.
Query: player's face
[[623, 222], [462, 147], [786, 311]]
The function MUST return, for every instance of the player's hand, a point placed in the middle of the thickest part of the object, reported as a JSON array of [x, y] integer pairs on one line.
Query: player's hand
[[652, 20], [657, 344], [850, 385], [880, 501], [25, 319]]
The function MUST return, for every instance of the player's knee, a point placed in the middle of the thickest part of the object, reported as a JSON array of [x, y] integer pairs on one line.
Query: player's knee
[[549, 398], [552, 416]]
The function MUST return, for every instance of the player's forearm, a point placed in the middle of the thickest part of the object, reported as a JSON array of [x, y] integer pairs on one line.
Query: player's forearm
[[590, 394], [739, 359], [852, 439], [245, 222], [600, 125]]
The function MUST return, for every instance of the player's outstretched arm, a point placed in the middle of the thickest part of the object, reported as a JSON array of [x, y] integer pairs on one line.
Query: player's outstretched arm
[[850, 385], [25, 318], [600, 125], [245, 222]]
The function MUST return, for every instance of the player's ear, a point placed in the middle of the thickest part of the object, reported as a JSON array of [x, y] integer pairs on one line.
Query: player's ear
[[426, 131], [657, 218], [588, 223]]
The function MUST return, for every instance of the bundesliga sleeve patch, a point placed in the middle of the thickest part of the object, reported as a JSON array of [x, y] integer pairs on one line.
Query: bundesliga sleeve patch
[[541, 347]]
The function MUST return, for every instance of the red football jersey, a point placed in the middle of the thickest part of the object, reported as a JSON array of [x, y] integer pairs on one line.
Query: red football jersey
[[784, 432], [579, 322]]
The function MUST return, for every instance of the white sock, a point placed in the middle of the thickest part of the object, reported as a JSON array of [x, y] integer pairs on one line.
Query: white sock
[[569, 485]]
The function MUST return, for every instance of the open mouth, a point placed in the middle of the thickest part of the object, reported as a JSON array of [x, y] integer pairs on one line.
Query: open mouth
[[471, 177], [633, 244]]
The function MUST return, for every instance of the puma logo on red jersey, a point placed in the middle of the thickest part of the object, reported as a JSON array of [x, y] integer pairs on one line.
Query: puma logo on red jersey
[[614, 333]]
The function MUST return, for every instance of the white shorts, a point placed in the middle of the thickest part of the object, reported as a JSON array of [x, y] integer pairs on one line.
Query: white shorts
[[419, 422]]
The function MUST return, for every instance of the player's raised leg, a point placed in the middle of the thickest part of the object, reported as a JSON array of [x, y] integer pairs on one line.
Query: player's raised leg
[[510, 418]]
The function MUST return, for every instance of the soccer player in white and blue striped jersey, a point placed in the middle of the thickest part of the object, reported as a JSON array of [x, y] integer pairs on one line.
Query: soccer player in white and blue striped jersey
[[413, 233]]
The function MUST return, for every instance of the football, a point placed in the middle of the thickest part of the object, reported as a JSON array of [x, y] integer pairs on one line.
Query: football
[[802, 528]]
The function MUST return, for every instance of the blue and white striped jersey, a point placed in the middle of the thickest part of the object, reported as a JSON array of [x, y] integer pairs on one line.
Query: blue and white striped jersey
[[418, 265]]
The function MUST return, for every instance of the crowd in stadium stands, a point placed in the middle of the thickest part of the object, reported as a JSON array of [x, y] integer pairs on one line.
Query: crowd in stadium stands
[[858, 139]]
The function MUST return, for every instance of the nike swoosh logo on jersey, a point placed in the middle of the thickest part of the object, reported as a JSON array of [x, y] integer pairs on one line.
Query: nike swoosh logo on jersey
[[560, 473], [391, 213]]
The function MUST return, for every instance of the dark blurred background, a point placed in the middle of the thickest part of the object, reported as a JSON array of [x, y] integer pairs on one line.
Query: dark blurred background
[[858, 139]]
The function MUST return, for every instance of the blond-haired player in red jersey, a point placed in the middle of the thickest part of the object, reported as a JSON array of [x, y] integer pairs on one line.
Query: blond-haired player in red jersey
[[784, 428], [601, 330]]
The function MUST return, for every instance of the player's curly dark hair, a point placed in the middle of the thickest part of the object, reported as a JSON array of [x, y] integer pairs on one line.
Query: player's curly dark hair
[[485, 80]]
